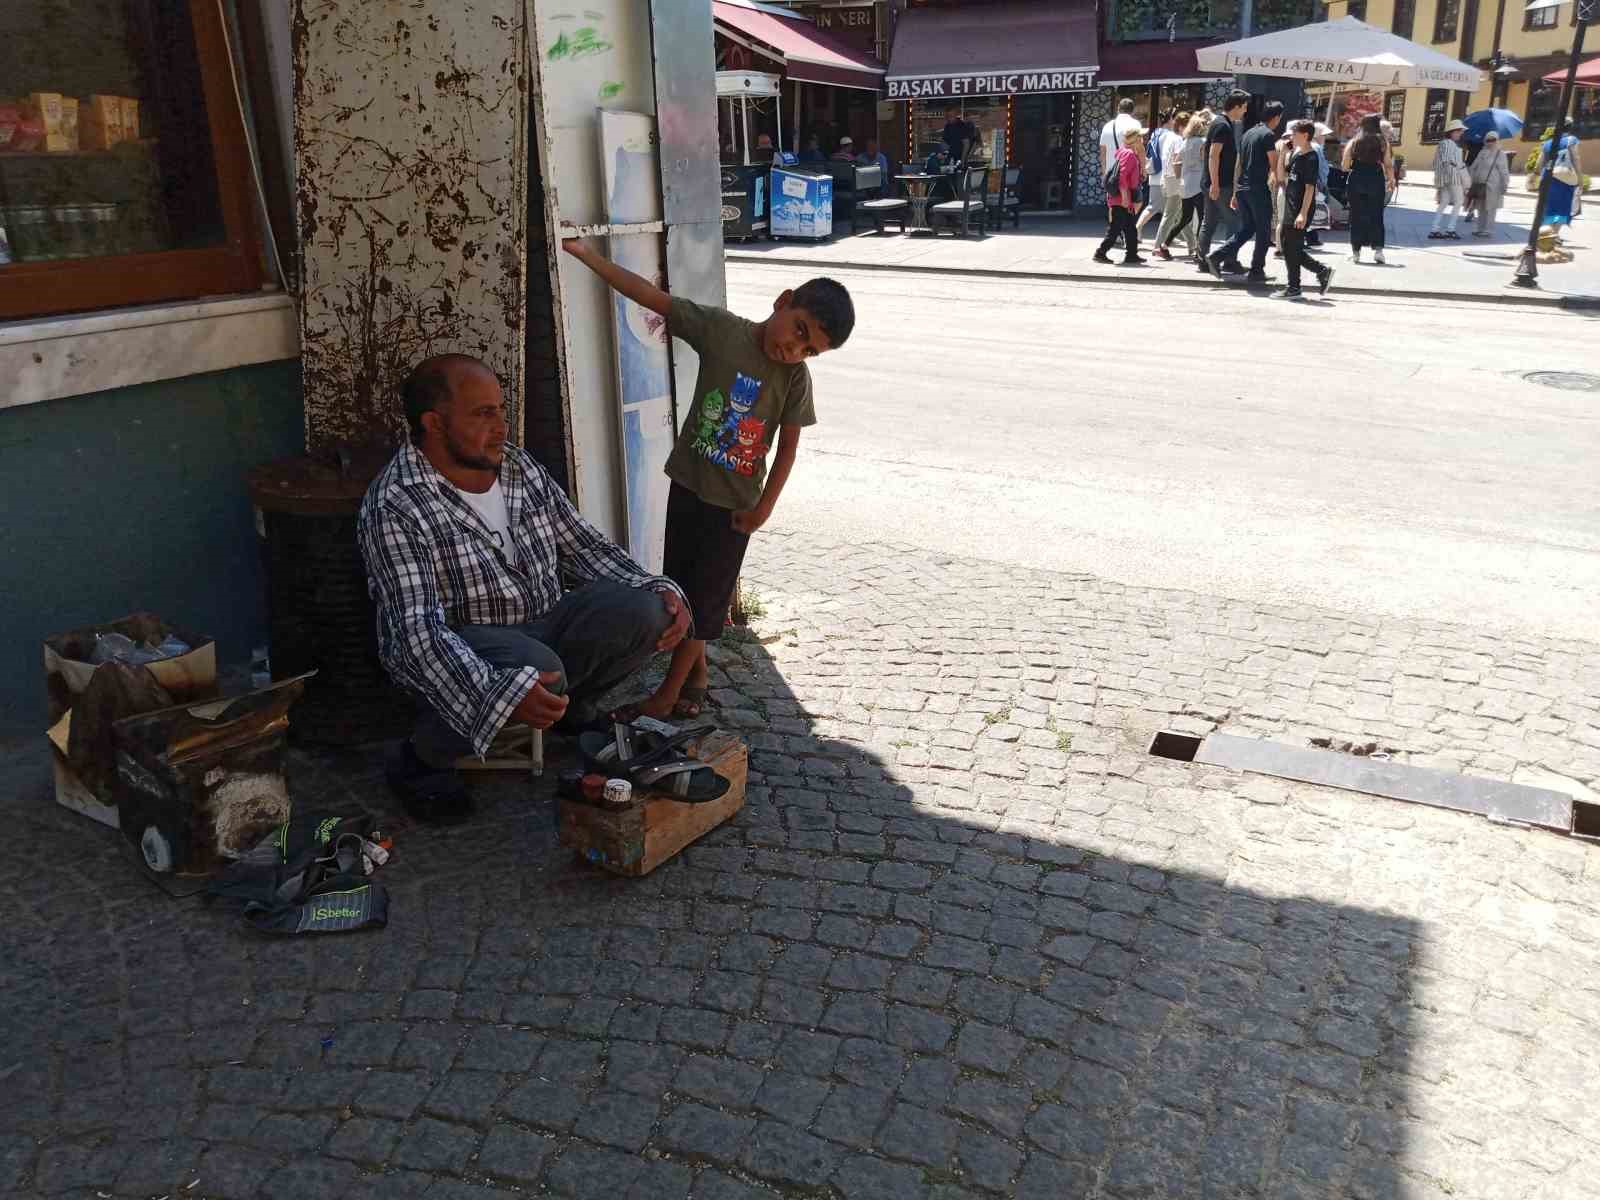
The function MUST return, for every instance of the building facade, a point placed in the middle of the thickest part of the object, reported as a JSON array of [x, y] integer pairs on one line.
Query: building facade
[[1514, 48]]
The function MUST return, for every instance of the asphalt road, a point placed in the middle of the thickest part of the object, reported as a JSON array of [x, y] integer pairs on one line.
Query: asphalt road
[[1377, 456]]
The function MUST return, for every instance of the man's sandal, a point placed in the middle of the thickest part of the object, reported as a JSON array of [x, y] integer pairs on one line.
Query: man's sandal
[[654, 762]]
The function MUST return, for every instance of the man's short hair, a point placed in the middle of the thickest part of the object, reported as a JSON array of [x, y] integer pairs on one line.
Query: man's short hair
[[1238, 98], [830, 306], [1271, 110], [430, 384], [1303, 126], [1125, 105]]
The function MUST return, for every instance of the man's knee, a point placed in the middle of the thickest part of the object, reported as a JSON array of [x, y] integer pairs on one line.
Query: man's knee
[[507, 646]]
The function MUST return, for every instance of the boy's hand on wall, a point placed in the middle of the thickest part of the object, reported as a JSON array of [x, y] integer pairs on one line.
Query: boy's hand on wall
[[576, 247]]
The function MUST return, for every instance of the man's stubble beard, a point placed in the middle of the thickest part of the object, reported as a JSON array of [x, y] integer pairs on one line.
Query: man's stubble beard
[[472, 462]]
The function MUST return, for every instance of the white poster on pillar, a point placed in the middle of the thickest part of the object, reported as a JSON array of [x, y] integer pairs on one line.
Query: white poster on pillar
[[644, 367]]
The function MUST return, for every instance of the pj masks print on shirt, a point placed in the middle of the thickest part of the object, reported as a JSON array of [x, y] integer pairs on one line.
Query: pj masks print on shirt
[[739, 443]]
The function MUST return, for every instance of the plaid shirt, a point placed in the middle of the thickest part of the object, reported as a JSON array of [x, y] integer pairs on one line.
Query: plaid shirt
[[433, 566]]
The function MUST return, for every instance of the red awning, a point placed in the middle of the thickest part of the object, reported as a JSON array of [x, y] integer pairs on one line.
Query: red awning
[[1151, 62], [1588, 74], [807, 53], [1011, 48]]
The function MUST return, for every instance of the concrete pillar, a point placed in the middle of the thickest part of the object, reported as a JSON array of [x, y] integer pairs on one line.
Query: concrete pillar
[[411, 127]]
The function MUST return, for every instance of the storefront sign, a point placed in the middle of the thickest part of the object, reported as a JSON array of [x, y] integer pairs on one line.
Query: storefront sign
[[1077, 79], [1346, 71], [856, 27]]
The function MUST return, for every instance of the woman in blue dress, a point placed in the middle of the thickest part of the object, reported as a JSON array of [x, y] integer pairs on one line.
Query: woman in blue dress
[[1558, 203]]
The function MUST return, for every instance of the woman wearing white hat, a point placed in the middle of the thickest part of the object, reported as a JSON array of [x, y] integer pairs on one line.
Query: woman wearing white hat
[[1491, 176], [1450, 180]]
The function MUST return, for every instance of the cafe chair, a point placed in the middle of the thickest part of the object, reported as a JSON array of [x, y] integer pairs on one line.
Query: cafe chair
[[882, 210], [1006, 203], [969, 209]]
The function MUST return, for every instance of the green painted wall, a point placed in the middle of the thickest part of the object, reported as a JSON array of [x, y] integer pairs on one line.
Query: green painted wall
[[135, 499]]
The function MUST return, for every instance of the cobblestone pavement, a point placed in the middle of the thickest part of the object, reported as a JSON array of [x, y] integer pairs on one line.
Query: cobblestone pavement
[[966, 939]]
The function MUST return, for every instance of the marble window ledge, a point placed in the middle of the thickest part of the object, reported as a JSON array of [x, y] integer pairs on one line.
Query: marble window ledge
[[55, 357]]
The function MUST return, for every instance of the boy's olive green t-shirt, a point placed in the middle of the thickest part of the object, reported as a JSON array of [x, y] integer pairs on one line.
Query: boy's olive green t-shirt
[[741, 397]]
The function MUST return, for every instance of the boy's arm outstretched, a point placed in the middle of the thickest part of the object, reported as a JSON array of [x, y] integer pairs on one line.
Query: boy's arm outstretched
[[635, 287], [751, 519]]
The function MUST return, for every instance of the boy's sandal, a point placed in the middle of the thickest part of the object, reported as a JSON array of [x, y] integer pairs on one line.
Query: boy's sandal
[[691, 703], [655, 762]]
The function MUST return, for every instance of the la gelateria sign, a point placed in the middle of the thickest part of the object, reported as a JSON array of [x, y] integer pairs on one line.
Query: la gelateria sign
[[1345, 70], [1013, 83]]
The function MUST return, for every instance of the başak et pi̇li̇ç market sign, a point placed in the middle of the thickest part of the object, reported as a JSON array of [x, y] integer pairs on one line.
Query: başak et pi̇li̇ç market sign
[[1014, 83]]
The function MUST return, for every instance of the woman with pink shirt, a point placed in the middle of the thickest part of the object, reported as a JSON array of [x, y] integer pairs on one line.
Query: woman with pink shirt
[[1123, 203]]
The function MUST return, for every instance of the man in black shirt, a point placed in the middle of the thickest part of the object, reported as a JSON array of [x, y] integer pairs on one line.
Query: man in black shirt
[[958, 135], [1216, 182], [1252, 197], [1300, 195]]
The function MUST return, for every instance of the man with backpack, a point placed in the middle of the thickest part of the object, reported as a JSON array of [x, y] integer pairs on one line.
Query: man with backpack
[[1122, 179]]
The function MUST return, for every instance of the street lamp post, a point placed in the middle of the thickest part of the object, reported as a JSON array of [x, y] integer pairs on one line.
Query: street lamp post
[[1527, 273]]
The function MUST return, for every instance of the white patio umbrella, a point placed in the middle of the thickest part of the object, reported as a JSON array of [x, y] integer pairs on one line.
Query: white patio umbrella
[[1346, 51]]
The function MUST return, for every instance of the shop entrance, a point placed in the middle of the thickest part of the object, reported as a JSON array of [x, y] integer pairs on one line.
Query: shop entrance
[[1037, 133]]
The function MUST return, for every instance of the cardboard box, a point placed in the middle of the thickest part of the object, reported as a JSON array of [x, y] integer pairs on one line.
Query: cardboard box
[[47, 107], [130, 118], [69, 121], [199, 784], [186, 678], [100, 122], [637, 839]]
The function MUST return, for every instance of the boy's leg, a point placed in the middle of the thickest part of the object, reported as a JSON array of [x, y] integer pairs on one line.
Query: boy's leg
[[704, 553]]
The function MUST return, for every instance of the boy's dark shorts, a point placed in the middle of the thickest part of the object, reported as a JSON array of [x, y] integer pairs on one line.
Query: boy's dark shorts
[[703, 555]]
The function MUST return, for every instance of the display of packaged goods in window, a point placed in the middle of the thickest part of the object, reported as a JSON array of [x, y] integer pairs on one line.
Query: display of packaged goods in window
[[53, 123]]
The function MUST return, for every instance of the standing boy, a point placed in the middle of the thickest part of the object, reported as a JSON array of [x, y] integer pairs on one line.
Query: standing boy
[[1300, 195], [753, 381]]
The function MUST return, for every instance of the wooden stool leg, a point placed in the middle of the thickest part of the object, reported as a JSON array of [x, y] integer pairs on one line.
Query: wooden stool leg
[[536, 752]]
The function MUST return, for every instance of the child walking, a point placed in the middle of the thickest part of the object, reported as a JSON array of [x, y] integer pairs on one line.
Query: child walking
[[752, 382]]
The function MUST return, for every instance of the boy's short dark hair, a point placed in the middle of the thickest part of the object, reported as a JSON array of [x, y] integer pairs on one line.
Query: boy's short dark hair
[[1238, 98], [830, 305], [1303, 126], [1271, 109]]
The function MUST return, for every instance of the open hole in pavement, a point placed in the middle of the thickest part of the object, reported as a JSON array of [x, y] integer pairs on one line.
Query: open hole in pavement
[[1585, 819], [1179, 747]]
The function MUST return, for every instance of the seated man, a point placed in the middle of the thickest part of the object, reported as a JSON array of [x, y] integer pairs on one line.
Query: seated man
[[466, 540]]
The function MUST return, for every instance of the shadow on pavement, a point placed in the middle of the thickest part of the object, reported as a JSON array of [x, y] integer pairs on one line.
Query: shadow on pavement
[[884, 981]]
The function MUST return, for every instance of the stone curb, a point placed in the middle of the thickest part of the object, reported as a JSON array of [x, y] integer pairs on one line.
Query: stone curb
[[1530, 298]]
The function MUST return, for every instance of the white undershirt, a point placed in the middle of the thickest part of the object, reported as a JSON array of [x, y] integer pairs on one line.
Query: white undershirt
[[491, 506]]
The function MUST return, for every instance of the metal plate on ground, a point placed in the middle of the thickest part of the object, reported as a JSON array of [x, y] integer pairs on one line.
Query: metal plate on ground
[[1565, 381], [1493, 798]]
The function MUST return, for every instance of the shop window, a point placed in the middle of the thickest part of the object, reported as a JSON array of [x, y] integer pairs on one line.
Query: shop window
[[1394, 111], [124, 171], [1446, 20], [1405, 17], [1543, 18], [1434, 112], [1357, 9], [987, 114], [1540, 117]]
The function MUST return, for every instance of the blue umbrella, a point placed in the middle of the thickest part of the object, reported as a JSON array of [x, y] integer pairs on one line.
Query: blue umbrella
[[1486, 120]]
